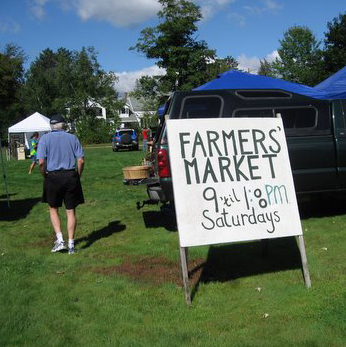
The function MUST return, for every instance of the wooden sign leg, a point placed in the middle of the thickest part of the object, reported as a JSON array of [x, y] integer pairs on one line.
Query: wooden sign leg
[[306, 273], [185, 273]]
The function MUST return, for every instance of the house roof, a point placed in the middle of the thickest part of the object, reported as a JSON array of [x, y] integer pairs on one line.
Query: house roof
[[136, 105]]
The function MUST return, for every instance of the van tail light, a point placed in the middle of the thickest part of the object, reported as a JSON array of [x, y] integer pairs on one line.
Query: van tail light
[[162, 163]]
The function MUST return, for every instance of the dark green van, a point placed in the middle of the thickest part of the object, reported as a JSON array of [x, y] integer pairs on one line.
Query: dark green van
[[315, 131]]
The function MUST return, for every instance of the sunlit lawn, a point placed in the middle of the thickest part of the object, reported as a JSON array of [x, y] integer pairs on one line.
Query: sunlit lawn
[[123, 287]]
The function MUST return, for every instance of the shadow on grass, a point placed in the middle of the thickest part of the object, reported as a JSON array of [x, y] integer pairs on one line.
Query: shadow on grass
[[319, 206], [109, 230], [18, 208], [4, 196], [157, 219], [231, 262]]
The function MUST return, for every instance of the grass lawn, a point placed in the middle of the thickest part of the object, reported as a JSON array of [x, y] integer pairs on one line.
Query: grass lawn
[[123, 287]]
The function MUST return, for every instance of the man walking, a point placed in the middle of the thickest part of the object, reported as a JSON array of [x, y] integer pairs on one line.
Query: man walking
[[57, 155]]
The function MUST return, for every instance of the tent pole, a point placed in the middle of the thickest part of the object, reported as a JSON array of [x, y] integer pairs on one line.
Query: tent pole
[[4, 175]]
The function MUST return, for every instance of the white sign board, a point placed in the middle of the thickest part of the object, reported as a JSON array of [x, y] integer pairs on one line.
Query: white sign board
[[232, 180]]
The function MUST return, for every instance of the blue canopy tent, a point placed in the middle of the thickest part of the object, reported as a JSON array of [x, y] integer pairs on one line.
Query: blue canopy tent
[[334, 86], [234, 79]]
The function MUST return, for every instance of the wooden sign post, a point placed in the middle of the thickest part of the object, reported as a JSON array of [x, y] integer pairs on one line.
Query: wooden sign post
[[232, 182]]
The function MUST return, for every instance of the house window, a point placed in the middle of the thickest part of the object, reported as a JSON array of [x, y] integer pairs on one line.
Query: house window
[[98, 111]]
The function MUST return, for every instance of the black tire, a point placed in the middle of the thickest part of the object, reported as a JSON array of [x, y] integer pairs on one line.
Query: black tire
[[126, 139]]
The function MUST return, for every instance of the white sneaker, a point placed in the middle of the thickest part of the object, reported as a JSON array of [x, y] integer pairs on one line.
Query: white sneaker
[[71, 250], [58, 246]]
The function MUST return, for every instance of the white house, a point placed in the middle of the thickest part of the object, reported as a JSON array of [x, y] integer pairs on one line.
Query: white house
[[132, 112], [100, 110]]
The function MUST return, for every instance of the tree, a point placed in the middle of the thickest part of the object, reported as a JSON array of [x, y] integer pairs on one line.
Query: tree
[[153, 90], [12, 59], [90, 85], [300, 59], [41, 89], [335, 45], [69, 82], [172, 42], [266, 68]]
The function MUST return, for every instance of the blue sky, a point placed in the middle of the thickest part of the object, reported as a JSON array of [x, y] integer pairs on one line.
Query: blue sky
[[248, 30]]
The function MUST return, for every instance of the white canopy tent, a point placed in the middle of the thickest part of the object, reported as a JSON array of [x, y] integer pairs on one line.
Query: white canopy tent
[[35, 122]]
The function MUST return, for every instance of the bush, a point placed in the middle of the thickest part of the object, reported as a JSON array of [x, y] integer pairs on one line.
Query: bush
[[92, 130]]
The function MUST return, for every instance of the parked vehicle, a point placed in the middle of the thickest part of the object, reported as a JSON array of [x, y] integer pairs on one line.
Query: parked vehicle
[[315, 131], [125, 139]]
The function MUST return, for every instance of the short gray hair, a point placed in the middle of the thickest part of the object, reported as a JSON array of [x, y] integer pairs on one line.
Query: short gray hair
[[58, 126]]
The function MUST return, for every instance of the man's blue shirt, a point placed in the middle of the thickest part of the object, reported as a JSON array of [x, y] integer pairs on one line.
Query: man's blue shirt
[[60, 150]]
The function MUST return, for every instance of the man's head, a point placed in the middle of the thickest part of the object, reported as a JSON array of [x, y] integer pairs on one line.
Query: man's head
[[57, 122], [35, 135]]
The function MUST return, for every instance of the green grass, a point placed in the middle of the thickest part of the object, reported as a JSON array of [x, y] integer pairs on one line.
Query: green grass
[[123, 286]]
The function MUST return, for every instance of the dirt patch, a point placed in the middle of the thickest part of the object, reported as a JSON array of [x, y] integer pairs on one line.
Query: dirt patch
[[43, 243], [155, 270]]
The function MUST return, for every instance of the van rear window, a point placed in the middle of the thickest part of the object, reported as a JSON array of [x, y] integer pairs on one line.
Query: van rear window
[[298, 121], [201, 107], [304, 117]]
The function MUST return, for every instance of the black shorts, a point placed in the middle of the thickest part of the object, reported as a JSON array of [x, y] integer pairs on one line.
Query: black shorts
[[59, 186]]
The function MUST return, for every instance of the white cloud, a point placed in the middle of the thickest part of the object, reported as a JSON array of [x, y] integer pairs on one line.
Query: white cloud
[[268, 6], [236, 18], [252, 64], [272, 56], [210, 7], [126, 13], [127, 79], [131, 12], [273, 5], [117, 12], [249, 64], [37, 8], [8, 24]]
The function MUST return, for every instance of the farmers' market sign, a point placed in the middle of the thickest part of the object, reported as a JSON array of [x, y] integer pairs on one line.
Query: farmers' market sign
[[232, 180]]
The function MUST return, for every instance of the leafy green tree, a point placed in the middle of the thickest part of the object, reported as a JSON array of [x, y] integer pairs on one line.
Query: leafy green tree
[[41, 89], [12, 58], [335, 45], [172, 42], [300, 59], [70, 83], [266, 68]]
